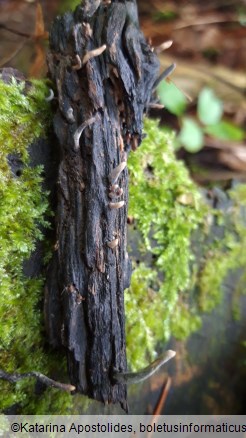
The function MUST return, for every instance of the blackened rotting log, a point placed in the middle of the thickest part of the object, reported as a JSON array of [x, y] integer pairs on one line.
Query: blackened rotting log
[[103, 72]]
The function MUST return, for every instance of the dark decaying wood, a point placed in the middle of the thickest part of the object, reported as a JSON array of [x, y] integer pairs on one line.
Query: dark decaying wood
[[103, 72]]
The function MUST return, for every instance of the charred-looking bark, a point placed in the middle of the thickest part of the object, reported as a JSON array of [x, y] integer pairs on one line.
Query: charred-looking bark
[[104, 72]]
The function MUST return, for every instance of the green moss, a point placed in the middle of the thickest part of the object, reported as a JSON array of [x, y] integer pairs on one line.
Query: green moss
[[24, 116], [167, 208], [225, 255], [68, 5], [193, 248]]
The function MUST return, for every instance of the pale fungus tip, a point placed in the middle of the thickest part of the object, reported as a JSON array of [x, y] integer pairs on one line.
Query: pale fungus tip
[[93, 53], [113, 243], [116, 204], [51, 95], [78, 64], [164, 46], [115, 173], [71, 388], [171, 353]]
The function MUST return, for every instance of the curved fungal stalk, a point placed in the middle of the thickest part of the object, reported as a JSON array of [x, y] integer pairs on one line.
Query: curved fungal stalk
[[145, 373], [16, 377], [70, 115], [116, 204], [88, 29], [167, 72], [79, 131], [51, 95], [114, 175], [93, 53], [78, 64]]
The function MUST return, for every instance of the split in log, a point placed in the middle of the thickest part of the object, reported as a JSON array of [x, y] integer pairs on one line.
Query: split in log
[[104, 72]]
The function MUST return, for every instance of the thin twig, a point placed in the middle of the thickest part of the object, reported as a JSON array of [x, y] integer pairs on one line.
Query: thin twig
[[224, 175], [159, 406], [15, 31], [188, 97], [218, 143], [8, 58], [15, 377], [205, 22], [164, 393]]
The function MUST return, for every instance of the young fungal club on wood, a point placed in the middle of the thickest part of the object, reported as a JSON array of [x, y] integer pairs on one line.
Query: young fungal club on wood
[[79, 131], [116, 205], [113, 243], [51, 96]]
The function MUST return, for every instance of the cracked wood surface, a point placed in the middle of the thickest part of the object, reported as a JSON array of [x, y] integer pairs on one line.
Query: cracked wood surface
[[103, 72]]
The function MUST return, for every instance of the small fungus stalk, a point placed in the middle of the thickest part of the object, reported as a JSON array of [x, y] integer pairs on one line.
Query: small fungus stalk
[[16, 377], [101, 96]]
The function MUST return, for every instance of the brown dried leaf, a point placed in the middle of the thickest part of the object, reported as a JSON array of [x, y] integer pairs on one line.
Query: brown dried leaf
[[39, 31], [39, 65]]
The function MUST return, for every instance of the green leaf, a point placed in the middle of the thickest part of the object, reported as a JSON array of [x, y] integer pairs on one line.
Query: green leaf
[[225, 131], [172, 98], [191, 135], [210, 108]]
